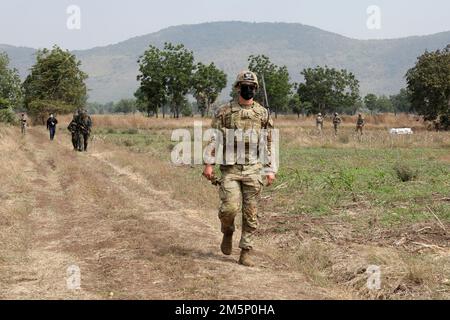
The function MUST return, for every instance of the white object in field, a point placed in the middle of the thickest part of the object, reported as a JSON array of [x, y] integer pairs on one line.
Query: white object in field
[[401, 131]]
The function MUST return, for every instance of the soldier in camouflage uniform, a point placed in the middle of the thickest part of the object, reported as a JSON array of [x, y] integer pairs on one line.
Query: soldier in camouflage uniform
[[241, 184], [336, 122], [360, 124], [84, 128], [80, 128], [73, 128], [23, 124], [319, 122]]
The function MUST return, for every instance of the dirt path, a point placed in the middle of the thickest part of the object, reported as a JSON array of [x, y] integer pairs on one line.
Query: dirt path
[[129, 240]]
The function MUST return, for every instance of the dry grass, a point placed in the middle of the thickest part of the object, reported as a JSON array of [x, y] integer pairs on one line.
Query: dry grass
[[140, 121]]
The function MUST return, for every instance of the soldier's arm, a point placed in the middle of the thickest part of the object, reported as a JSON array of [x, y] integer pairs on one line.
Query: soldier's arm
[[210, 150], [269, 126]]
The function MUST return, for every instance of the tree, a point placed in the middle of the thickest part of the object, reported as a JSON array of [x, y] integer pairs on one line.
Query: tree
[[384, 104], [207, 82], [328, 89], [295, 104], [152, 92], [166, 77], [401, 101], [178, 64], [429, 86], [125, 106], [55, 83], [378, 104], [276, 80], [10, 84], [370, 101], [10, 90]]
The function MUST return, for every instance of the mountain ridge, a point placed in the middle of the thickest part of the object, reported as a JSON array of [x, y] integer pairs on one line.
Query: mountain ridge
[[379, 64]]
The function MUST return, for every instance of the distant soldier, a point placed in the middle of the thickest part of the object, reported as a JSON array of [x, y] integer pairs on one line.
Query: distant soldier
[[336, 122], [73, 128], [23, 124], [84, 123], [51, 125], [319, 122], [360, 123]]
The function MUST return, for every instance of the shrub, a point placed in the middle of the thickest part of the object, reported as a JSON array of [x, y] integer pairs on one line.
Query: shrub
[[404, 172], [131, 131], [128, 143], [8, 116]]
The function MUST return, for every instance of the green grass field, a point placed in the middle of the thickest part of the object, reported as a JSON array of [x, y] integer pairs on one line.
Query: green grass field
[[400, 184]]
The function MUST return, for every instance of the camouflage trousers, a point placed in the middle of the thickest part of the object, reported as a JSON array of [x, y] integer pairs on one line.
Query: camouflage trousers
[[359, 129], [239, 192], [336, 127], [319, 126]]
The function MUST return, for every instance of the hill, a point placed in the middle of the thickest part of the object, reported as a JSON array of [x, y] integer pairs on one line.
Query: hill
[[380, 65]]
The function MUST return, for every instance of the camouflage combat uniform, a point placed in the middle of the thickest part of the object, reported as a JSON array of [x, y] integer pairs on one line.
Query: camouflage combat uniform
[[23, 125], [80, 128], [319, 122], [336, 122], [73, 130], [360, 124], [84, 128], [241, 184]]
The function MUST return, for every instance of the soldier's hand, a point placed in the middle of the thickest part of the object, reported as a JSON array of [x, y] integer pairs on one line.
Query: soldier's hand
[[270, 178], [208, 172]]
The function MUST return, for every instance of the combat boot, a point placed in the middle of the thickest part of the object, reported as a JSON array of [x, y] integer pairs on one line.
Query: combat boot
[[227, 243], [245, 258]]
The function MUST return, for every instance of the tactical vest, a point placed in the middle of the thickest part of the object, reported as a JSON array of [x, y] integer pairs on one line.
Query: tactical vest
[[246, 124]]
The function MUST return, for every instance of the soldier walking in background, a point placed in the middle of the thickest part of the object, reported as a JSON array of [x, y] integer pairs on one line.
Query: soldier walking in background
[[360, 124], [241, 184], [319, 122], [51, 126], [336, 122], [73, 128], [23, 124], [84, 130]]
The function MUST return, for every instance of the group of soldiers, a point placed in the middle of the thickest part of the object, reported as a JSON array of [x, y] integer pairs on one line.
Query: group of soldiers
[[80, 128], [51, 125], [360, 122]]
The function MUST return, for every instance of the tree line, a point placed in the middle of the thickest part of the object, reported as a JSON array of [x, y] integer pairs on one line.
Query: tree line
[[168, 76]]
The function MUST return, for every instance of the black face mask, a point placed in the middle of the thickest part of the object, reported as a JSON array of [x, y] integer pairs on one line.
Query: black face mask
[[247, 92]]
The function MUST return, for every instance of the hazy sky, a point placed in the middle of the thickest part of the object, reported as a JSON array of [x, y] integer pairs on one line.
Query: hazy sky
[[43, 23]]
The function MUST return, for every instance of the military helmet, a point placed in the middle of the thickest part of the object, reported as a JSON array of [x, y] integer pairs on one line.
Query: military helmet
[[336, 114], [246, 77], [319, 114]]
